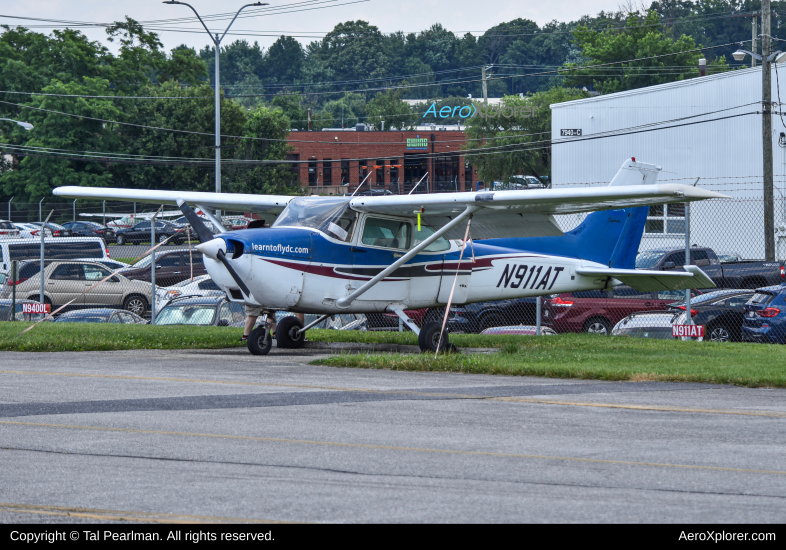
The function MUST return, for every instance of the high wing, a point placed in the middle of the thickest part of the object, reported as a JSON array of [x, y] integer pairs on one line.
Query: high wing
[[526, 213], [140, 215], [647, 281], [225, 201]]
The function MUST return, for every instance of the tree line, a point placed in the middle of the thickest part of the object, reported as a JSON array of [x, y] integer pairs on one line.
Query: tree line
[[354, 74]]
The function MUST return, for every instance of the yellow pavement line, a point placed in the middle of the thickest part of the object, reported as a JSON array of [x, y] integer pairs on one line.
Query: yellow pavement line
[[122, 515], [389, 447], [664, 408]]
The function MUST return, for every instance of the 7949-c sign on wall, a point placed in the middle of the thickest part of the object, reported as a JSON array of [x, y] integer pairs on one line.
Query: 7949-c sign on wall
[[570, 132]]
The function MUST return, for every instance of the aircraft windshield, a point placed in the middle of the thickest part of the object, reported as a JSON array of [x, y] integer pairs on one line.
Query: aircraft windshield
[[329, 215]]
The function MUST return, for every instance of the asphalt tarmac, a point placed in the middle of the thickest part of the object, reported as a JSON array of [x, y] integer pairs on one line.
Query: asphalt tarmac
[[221, 435]]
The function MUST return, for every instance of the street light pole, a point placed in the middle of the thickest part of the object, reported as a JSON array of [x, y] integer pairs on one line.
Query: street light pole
[[217, 42], [766, 133]]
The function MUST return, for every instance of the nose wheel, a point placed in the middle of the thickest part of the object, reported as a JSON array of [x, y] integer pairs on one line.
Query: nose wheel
[[260, 341]]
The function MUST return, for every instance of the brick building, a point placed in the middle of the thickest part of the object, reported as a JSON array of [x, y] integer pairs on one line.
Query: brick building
[[335, 161]]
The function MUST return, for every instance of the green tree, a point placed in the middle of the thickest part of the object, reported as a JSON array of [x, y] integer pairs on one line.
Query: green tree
[[389, 107], [192, 115], [36, 176], [284, 61], [504, 146], [356, 50], [266, 176], [642, 41]]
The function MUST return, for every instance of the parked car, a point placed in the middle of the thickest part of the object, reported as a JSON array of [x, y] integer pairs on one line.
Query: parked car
[[721, 312], [5, 311], [734, 274], [389, 321], [237, 222], [200, 286], [102, 315], [57, 230], [597, 311], [182, 222], [122, 223], [202, 311], [521, 330], [171, 267], [140, 233], [765, 316], [67, 280], [54, 249], [8, 230], [475, 318], [647, 324], [90, 229], [30, 231]]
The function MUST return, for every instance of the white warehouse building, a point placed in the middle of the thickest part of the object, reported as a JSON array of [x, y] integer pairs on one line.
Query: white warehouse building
[[706, 128]]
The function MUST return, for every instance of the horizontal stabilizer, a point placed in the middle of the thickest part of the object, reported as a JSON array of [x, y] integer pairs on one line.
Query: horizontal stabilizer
[[647, 280]]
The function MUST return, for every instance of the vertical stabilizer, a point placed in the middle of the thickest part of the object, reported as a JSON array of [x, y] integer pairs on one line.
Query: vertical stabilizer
[[608, 237]]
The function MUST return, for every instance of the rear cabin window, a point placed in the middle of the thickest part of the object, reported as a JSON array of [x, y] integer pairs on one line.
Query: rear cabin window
[[387, 233]]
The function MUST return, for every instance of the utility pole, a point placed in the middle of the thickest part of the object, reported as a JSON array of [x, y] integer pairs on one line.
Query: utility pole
[[217, 42], [485, 88], [766, 133], [754, 37]]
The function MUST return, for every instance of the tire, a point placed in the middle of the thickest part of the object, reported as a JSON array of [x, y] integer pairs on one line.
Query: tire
[[718, 333], [598, 325], [121, 240], [162, 238], [429, 338], [136, 304], [491, 321], [257, 344], [287, 335]]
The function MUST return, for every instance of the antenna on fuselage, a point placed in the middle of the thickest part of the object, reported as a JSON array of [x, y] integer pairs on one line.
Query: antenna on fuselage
[[361, 184]]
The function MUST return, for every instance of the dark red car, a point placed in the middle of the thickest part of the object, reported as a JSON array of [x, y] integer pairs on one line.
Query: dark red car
[[597, 311]]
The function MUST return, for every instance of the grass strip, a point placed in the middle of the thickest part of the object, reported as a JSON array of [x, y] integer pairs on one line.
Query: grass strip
[[107, 337], [592, 357]]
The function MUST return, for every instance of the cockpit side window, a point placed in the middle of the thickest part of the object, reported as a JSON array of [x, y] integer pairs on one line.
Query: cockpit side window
[[439, 245], [387, 233]]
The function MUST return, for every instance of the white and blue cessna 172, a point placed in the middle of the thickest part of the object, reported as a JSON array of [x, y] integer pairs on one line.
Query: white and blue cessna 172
[[362, 254]]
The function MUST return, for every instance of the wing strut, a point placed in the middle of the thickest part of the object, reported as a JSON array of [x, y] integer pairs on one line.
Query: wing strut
[[344, 302]]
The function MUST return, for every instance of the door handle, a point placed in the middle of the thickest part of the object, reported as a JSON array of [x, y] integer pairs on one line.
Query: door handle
[[176, 272], [647, 303], [356, 249]]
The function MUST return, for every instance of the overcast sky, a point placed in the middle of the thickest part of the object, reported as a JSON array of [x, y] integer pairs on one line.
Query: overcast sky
[[405, 15]]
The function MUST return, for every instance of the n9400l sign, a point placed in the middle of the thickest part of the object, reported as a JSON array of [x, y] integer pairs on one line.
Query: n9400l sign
[[570, 132]]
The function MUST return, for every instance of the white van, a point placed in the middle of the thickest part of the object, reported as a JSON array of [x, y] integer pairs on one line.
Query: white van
[[55, 248]]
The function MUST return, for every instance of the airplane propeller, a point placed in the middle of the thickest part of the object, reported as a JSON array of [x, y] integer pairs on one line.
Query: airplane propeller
[[205, 236]]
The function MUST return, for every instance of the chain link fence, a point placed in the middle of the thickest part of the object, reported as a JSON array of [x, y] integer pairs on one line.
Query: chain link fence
[[80, 251], [66, 261]]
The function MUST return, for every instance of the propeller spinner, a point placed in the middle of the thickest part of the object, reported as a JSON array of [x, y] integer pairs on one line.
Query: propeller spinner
[[205, 236]]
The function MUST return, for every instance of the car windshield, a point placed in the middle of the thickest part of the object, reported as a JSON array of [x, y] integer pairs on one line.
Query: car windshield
[[646, 260], [323, 214], [187, 315]]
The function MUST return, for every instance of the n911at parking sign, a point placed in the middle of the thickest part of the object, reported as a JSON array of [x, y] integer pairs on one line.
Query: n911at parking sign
[[687, 331], [35, 308]]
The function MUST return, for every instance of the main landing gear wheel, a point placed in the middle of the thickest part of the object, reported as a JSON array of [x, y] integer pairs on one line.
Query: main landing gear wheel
[[429, 338], [257, 343], [287, 335]]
